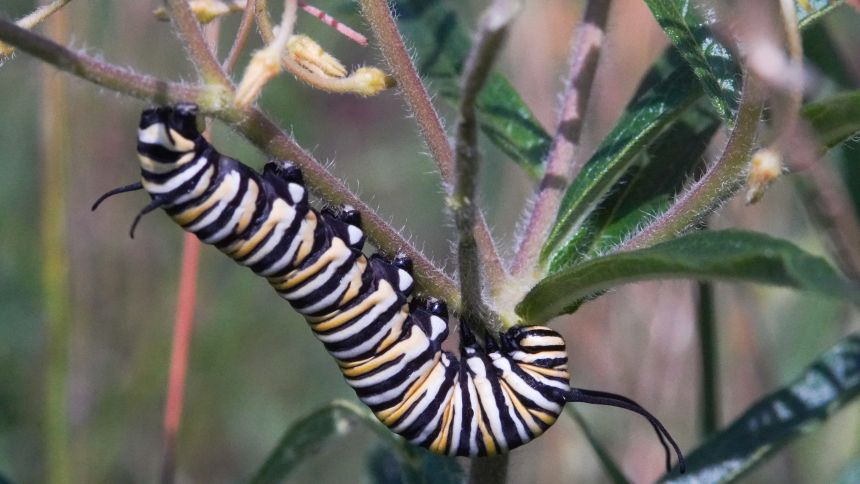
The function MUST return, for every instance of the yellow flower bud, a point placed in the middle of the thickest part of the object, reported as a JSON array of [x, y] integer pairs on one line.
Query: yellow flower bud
[[765, 168], [314, 58]]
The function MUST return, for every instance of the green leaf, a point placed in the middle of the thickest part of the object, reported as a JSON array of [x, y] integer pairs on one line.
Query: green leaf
[[667, 90], [834, 119], [645, 190], [710, 60], [310, 433], [659, 104], [414, 466], [723, 255], [435, 32], [824, 387]]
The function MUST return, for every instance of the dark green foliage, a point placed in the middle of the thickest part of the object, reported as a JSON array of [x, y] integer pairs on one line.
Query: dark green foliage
[[822, 389], [719, 255]]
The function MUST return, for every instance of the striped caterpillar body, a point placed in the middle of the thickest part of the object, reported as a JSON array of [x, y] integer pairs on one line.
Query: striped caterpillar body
[[492, 398]]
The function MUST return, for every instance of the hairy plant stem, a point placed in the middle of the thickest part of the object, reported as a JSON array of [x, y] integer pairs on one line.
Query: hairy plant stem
[[252, 123], [191, 35], [245, 27], [430, 124], [563, 162], [719, 183], [491, 35]]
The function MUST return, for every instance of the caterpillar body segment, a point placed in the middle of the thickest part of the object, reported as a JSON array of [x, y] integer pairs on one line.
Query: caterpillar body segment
[[491, 398]]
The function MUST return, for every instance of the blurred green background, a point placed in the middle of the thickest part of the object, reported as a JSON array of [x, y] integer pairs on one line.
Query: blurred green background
[[255, 368]]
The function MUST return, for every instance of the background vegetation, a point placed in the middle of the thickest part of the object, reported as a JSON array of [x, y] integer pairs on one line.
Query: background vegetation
[[255, 369]]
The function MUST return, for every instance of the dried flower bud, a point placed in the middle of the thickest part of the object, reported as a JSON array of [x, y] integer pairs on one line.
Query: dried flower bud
[[765, 168], [205, 10], [312, 57]]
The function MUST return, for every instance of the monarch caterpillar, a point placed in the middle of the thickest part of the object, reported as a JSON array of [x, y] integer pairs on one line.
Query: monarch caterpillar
[[493, 398]]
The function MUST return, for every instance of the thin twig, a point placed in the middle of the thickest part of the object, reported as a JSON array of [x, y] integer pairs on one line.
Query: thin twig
[[719, 183], [430, 124], [491, 34], [33, 19], [563, 162], [98, 72], [253, 124], [241, 37], [191, 34], [414, 92]]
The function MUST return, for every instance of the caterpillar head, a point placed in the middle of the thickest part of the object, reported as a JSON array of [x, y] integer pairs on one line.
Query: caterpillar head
[[172, 128]]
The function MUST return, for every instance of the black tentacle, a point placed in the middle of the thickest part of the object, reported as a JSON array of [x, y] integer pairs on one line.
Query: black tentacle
[[595, 397], [155, 203], [116, 191]]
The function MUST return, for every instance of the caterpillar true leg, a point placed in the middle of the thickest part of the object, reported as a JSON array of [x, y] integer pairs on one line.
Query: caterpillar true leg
[[493, 397]]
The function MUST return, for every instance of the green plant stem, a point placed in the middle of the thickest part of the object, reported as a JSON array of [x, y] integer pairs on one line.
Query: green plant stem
[[241, 38], [252, 123], [191, 35], [55, 270], [709, 404], [462, 201], [430, 124], [719, 183], [563, 162]]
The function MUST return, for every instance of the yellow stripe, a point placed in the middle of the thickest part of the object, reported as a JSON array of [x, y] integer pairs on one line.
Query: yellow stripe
[[382, 292], [188, 216], [390, 415], [522, 411], [241, 248], [439, 445], [336, 250], [181, 142], [249, 207]]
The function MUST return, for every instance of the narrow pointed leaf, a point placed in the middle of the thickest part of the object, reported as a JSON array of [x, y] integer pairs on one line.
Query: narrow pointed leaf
[[720, 255], [441, 42], [639, 125], [714, 66], [823, 388], [645, 190], [668, 89], [308, 435], [834, 119]]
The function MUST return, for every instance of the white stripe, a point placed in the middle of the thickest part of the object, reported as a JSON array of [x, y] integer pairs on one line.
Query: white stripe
[[175, 181]]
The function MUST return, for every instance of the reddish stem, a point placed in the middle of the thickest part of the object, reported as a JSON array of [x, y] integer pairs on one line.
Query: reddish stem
[[182, 326]]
